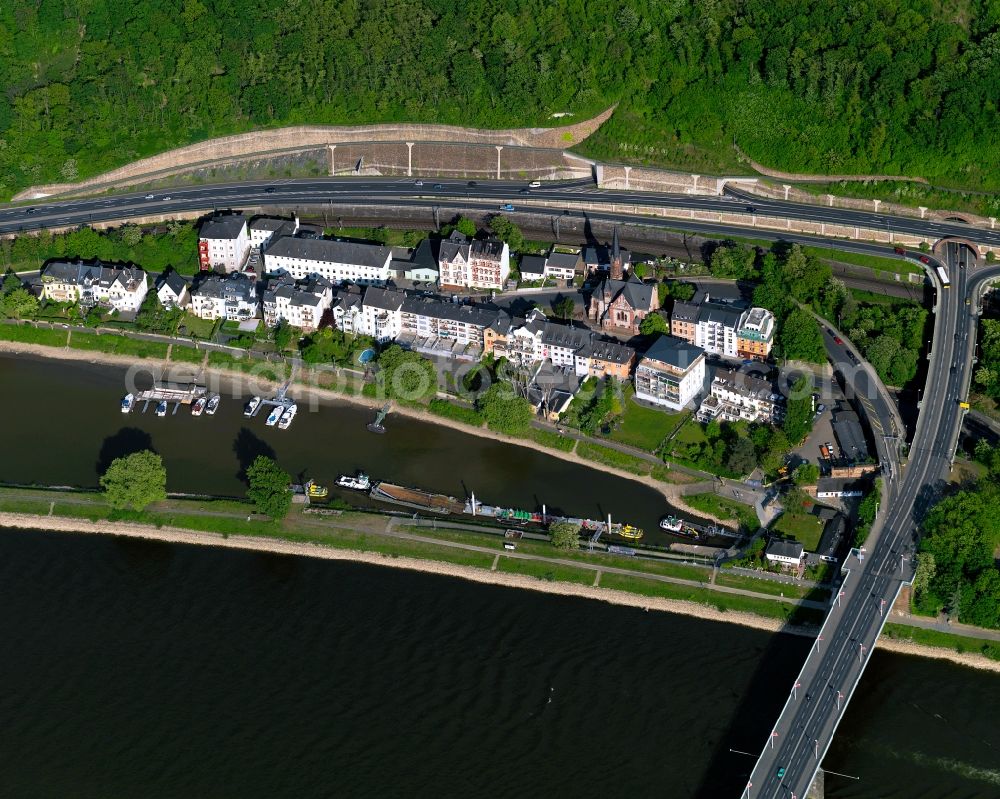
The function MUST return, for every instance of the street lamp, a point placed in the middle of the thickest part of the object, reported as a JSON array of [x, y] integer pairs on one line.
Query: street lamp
[[839, 696], [795, 685], [818, 639], [774, 734], [861, 654], [839, 597]]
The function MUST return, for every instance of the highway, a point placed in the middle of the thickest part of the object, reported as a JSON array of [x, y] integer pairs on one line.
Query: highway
[[834, 666], [488, 195]]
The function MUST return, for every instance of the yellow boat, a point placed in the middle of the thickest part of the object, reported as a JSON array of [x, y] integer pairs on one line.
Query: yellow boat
[[318, 492], [630, 532]]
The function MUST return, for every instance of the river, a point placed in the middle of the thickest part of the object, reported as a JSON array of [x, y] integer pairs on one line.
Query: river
[[137, 668], [68, 427]]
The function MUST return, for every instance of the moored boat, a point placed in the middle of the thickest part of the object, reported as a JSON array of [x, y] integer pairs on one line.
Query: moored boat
[[161, 409], [630, 532], [274, 416], [671, 524], [128, 402], [289, 414], [251, 406], [198, 408], [360, 481], [213, 405], [317, 492]]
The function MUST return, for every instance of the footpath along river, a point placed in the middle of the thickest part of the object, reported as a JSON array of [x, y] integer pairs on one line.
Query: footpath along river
[[64, 426]]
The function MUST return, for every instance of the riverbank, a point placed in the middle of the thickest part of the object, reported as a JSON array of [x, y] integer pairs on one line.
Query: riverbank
[[282, 546], [671, 492]]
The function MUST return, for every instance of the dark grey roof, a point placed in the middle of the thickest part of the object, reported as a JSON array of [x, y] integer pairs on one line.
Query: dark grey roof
[[564, 260], [384, 299], [585, 343], [226, 226], [424, 255], [456, 244], [488, 248], [306, 292], [685, 312], [841, 484], [329, 251], [173, 281], [850, 436], [674, 352], [348, 297], [438, 309], [269, 223], [636, 293], [235, 286], [532, 265], [600, 256], [96, 273], [724, 315], [788, 549]]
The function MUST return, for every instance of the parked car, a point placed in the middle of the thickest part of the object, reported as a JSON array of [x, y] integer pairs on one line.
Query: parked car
[[820, 408]]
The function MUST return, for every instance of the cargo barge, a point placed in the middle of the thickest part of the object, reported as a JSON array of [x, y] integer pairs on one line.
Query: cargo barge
[[416, 499]]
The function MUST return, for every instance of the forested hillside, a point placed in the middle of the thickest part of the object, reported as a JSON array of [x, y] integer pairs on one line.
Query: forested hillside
[[887, 86]]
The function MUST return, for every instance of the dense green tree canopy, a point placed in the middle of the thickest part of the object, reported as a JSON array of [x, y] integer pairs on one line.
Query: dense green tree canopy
[[565, 535], [873, 86], [504, 410], [268, 487], [654, 325], [406, 375], [134, 481]]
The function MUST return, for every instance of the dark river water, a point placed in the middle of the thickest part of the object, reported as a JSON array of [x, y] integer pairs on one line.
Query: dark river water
[[152, 670], [70, 427]]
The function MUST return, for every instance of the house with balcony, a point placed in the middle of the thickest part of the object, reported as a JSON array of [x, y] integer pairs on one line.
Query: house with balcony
[[337, 261], [223, 243], [299, 303], [478, 264], [94, 284], [172, 290], [231, 297], [381, 313], [445, 329], [671, 373], [264, 229], [736, 396], [755, 336], [729, 329]]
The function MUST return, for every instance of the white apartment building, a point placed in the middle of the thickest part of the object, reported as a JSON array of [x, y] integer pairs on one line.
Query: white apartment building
[[671, 373], [223, 243], [738, 396], [716, 329], [300, 304], [265, 228], [232, 297], [482, 264], [337, 261], [381, 313], [120, 288], [172, 290]]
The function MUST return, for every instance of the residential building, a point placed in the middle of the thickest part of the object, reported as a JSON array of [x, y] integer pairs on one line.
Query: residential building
[[532, 268], [420, 270], [172, 290], [121, 288], [831, 487], [621, 304], [481, 263], [265, 228], [716, 328], [381, 313], [738, 396], [755, 336], [435, 327], [563, 265], [301, 304], [785, 553], [684, 320], [337, 261], [223, 243], [232, 297], [850, 436], [671, 373], [346, 309]]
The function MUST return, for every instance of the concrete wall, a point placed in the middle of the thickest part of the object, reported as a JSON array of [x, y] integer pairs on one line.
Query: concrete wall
[[637, 178]]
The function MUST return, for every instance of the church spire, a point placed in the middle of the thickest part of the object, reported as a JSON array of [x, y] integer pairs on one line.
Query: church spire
[[616, 258]]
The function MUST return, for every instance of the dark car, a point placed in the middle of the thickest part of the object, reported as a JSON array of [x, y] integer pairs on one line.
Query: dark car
[[472, 183], [524, 191], [838, 340], [751, 209], [899, 251], [438, 186], [30, 210], [924, 259], [269, 190]]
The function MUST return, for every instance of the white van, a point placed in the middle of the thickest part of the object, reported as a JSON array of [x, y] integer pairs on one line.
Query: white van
[[535, 184]]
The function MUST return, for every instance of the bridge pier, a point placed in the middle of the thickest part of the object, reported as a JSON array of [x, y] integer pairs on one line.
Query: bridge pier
[[818, 789]]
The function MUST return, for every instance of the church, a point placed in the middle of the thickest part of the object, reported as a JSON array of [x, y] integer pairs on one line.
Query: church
[[620, 303]]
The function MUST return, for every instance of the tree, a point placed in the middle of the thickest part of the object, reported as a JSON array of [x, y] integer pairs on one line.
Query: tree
[[18, 304], [798, 413], [742, 457], [805, 474], [507, 231], [268, 487], [134, 481], [801, 339], [406, 375], [565, 535], [733, 260], [465, 226], [564, 307], [283, 335], [504, 410], [154, 317], [131, 235], [653, 325]]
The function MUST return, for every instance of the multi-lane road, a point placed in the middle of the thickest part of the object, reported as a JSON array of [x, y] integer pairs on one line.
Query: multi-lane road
[[451, 193], [817, 701]]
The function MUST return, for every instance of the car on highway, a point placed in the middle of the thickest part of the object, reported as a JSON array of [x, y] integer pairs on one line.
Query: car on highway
[[751, 209], [924, 259], [30, 210], [149, 197], [438, 186], [961, 264], [506, 207], [524, 191], [838, 340], [899, 251], [472, 183], [166, 198], [535, 184], [418, 183], [269, 190], [968, 301], [780, 772]]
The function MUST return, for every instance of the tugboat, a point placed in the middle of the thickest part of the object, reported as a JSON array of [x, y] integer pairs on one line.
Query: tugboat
[[360, 482], [671, 524], [251, 406], [213, 405], [161, 409], [199, 406], [630, 532], [274, 416], [286, 418], [128, 401]]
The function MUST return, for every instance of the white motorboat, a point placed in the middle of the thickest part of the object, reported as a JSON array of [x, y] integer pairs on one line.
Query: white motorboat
[[286, 418], [213, 405], [161, 409], [671, 524], [274, 416], [251, 406], [128, 402], [359, 482], [198, 408]]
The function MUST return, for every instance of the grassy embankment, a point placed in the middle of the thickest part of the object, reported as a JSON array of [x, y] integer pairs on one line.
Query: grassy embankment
[[960, 643], [724, 508]]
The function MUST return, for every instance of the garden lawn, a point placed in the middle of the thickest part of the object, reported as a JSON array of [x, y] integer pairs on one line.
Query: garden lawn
[[645, 428], [724, 508], [806, 528]]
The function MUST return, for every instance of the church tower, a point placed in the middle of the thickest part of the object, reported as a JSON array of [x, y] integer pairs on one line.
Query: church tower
[[617, 273]]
